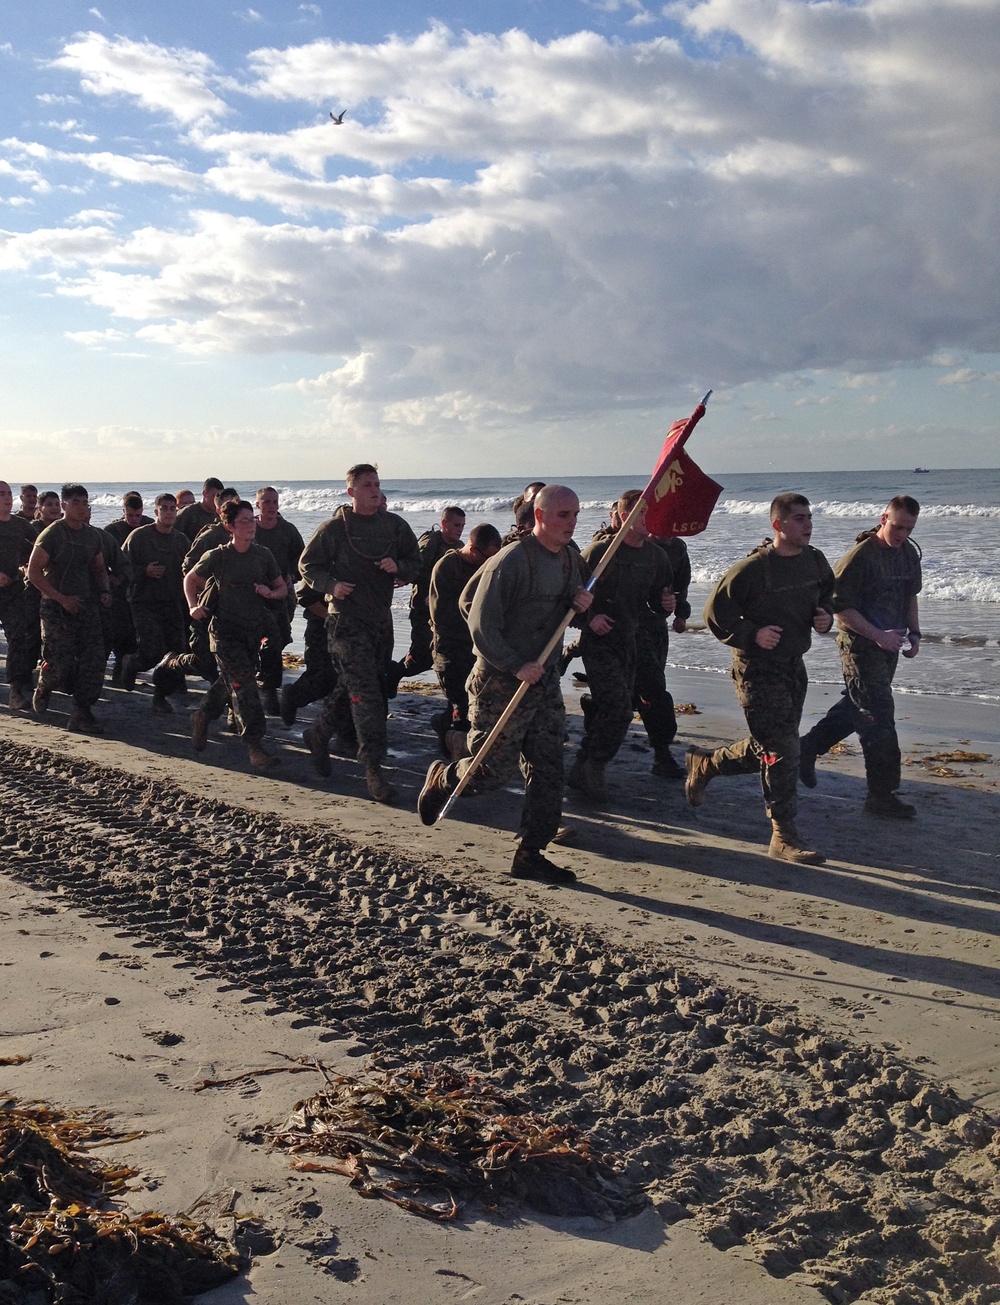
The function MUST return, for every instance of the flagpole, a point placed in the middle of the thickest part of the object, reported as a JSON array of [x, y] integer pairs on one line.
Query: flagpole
[[543, 656]]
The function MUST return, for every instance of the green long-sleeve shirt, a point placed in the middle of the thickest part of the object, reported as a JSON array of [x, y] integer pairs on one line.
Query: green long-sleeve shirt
[[631, 588], [516, 600], [348, 548], [767, 589]]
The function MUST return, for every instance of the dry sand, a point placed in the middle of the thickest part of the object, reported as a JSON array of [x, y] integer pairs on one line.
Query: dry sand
[[800, 1063]]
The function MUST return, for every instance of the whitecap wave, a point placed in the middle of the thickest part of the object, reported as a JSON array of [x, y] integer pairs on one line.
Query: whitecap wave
[[962, 588], [740, 507], [473, 506], [955, 585], [322, 498]]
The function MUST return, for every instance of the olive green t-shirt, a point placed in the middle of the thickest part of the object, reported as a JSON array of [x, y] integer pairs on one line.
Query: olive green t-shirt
[[877, 581], [16, 540], [631, 586], [71, 558], [146, 545], [238, 608]]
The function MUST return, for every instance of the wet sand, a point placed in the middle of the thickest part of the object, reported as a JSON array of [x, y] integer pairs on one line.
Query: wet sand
[[800, 1064]]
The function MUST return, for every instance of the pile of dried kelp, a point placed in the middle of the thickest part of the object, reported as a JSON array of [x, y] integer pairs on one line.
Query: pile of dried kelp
[[431, 1138], [57, 1247]]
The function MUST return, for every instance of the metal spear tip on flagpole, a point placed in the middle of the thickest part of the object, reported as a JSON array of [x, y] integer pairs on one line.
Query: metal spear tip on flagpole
[[446, 808], [706, 398]]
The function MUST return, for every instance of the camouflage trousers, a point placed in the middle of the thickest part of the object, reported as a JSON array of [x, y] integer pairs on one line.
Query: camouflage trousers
[[33, 618], [772, 695], [72, 652], [121, 632], [651, 698], [420, 656], [866, 709], [236, 653], [609, 661], [198, 660], [453, 673], [360, 655], [277, 637], [159, 629], [319, 678], [533, 738], [16, 622]]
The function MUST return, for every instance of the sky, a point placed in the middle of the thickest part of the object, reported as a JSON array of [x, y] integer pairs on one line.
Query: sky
[[541, 232]]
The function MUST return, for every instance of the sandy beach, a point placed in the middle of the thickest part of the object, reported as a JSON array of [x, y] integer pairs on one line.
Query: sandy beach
[[800, 1065]]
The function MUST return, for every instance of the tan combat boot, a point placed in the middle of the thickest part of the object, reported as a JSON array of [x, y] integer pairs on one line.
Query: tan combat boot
[[379, 788], [700, 769], [81, 721], [319, 751], [260, 758], [199, 730], [438, 788], [20, 697], [587, 777], [787, 845]]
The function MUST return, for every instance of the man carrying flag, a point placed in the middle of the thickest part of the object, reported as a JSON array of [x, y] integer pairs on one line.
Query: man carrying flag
[[510, 604], [513, 604]]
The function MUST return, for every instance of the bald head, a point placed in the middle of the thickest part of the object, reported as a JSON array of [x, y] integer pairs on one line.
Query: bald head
[[556, 510], [549, 494]]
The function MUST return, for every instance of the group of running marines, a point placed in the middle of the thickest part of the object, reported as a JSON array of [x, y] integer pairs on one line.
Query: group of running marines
[[208, 588]]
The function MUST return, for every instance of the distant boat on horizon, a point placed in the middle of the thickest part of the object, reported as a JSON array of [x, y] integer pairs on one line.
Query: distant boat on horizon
[[922, 471]]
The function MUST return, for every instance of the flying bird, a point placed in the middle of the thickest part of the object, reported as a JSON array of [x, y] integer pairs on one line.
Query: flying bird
[[337, 120]]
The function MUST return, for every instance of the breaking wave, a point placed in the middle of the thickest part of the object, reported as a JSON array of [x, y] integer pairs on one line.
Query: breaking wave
[[963, 588], [863, 511]]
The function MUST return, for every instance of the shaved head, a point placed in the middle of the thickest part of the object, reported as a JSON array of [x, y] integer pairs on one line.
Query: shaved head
[[548, 495], [556, 510]]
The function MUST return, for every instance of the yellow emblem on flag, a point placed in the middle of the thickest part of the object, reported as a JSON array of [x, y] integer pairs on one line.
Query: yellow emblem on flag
[[671, 480]]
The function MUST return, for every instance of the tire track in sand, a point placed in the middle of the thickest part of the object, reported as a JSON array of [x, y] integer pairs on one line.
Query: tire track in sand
[[823, 1157]]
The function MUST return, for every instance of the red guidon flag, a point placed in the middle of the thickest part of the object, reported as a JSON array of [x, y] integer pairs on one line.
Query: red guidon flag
[[679, 496]]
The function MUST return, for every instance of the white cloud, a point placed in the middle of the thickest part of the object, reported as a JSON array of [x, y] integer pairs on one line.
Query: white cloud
[[88, 215], [25, 176], [507, 230], [145, 170], [66, 249], [153, 451], [968, 376], [96, 339], [640, 16], [175, 81]]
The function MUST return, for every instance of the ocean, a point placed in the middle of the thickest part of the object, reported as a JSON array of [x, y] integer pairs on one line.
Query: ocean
[[958, 531]]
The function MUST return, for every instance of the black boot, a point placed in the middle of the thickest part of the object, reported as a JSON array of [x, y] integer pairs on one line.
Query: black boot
[[529, 863]]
